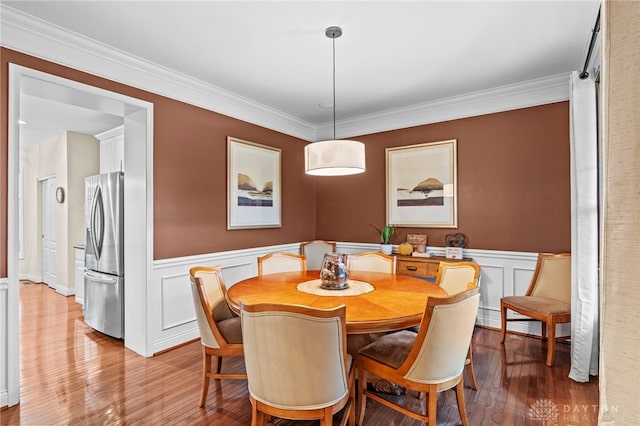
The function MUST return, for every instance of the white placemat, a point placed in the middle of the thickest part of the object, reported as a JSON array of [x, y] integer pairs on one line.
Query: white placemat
[[355, 288]]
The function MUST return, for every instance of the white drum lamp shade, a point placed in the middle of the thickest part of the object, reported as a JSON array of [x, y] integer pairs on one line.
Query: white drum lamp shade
[[334, 158]]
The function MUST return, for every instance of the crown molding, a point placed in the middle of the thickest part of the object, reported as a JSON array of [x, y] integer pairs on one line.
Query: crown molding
[[514, 96], [33, 36], [109, 133], [27, 34]]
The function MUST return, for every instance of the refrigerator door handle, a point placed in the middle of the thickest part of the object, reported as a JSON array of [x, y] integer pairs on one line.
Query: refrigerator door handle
[[97, 223], [100, 278]]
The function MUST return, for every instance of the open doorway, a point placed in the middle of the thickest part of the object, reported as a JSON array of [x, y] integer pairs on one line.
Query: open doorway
[[137, 116]]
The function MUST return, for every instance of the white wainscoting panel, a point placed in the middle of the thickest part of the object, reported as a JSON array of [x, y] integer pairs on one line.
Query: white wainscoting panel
[[491, 279], [177, 305], [503, 273], [520, 281]]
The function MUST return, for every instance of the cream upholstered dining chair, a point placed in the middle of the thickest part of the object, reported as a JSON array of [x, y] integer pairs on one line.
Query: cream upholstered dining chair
[[455, 277], [274, 263], [429, 361], [548, 299], [315, 251], [373, 261], [220, 330], [297, 363]]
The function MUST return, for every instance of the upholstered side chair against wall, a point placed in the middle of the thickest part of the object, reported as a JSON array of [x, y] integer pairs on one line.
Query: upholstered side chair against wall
[[315, 251], [547, 300], [456, 277], [220, 330], [373, 261], [297, 363], [274, 263], [429, 361]]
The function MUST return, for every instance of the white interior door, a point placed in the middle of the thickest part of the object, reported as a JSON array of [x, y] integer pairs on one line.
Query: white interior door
[[48, 221]]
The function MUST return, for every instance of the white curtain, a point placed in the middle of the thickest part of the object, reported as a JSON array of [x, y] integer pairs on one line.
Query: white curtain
[[584, 230]]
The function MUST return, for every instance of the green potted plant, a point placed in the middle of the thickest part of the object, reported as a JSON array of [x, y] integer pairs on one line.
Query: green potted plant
[[385, 236]]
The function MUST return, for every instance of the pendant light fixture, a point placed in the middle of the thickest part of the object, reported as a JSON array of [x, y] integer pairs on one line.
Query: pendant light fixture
[[334, 157]]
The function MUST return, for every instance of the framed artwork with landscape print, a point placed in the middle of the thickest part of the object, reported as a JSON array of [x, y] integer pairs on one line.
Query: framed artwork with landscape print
[[422, 186], [253, 185]]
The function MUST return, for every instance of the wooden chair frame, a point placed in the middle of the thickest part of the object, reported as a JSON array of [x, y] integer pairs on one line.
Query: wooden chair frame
[[226, 349], [261, 411], [266, 257], [428, 391], [473, 383], [547, 322]]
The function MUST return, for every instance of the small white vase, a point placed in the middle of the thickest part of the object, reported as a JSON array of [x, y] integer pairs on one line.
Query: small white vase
[[386, 248]]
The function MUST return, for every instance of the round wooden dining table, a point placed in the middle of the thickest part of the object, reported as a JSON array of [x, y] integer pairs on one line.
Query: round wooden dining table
[[396, 302]]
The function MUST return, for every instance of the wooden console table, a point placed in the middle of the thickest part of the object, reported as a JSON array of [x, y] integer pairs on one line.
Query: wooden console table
[[423, 267]]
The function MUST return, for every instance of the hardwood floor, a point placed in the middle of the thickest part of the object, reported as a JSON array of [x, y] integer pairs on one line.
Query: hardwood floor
[[71, 374]]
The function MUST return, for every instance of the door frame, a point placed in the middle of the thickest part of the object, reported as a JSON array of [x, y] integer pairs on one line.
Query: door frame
[[139, 217]]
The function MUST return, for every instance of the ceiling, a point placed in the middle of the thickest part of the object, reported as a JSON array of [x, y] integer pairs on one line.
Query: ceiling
[[45, 118], [391, 54]]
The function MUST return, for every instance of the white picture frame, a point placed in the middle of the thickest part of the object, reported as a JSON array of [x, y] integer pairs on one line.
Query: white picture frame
[[254, 193], [422, 185]]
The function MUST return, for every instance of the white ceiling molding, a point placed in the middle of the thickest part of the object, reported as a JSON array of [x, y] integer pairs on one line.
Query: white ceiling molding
[[24, 33], [109, 133], [514, 96]]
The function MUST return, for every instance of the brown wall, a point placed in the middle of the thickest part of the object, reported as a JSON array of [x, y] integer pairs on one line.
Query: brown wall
[[513, 178], [513, 183], [190, 178]]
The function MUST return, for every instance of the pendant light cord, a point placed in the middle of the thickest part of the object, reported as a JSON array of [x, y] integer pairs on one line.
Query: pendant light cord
[[334, 88], [333, 33]]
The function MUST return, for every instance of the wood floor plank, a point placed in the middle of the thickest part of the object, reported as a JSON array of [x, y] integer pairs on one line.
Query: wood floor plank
[[73, 375]]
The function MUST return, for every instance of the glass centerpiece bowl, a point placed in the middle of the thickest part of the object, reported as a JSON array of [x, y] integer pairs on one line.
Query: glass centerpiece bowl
[[333, 273]]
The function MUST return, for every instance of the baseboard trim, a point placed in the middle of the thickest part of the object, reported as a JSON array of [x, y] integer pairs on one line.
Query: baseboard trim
[[66, 291], [4, 399], [33, 278], [176, 340]]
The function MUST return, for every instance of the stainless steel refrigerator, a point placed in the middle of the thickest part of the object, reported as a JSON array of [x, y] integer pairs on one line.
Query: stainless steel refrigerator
[[104, 253]]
